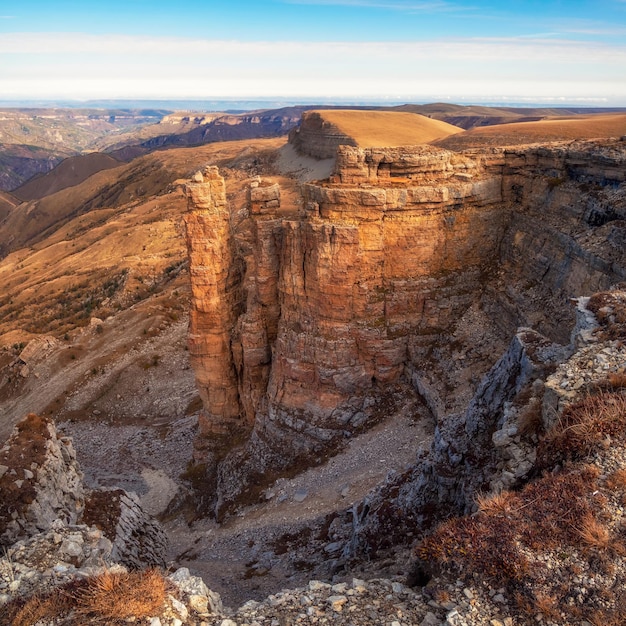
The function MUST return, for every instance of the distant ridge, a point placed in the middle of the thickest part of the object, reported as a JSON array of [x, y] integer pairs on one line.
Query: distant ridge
[[69, 172], [543, 131]]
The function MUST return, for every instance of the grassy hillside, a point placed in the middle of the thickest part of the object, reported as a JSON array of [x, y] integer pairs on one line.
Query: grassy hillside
[[68, 173], [385, 128], [552, 129]]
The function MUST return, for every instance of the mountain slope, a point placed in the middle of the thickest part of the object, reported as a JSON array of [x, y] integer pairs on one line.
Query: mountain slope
[[18, 163], [552, 129], [68, 173], [7, 203]]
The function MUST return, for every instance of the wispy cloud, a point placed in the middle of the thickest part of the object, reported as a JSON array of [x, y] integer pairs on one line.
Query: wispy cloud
[[409, 6], [75, 64]]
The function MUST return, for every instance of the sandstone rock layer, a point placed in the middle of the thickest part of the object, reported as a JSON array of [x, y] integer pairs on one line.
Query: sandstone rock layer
[[301, 321]]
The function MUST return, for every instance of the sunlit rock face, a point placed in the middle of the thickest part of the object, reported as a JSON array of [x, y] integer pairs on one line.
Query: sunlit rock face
[[410, 266]]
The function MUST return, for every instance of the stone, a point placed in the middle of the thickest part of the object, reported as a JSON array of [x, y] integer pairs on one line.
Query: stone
[[430, 619], [316, 585], [58, 490], [337, 602], [179, 607], [300, 495]]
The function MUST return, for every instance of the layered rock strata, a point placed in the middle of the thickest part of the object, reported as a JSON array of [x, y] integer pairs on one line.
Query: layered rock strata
[[318, 138], [410, 266]]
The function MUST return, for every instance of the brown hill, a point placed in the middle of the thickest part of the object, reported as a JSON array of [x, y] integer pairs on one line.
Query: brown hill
[[548, 130], [7, 203], [135, 182], [68, 173], [18, 163], [385, 128], [471, 116]]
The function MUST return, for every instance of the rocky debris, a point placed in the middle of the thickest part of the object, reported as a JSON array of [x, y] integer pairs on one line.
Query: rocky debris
[[66, 555], [38, 349], [44, 505], [42, 481], [51, 559]]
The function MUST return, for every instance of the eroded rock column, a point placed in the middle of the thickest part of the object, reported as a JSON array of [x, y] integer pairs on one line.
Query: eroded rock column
[[215, 288]]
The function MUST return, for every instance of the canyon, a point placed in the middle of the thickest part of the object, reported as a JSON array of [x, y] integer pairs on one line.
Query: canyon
[[409, 269], [381, 338]]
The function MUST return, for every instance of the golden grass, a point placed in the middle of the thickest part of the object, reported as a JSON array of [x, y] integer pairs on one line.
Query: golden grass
[[593, 533], [555, 129], [495, 504], [112, 596], [109, 598], [388, 129], [40, 608]]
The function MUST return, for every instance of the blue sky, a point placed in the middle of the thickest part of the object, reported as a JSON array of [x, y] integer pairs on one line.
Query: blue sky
[[550, 51]]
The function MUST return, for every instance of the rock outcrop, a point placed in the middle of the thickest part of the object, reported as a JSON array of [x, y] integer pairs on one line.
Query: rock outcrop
[[42, 491], [410, 266], [40, 481], [318, 138]]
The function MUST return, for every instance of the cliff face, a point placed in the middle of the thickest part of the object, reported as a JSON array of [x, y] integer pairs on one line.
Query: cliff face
[[318, 138], [410, 267]]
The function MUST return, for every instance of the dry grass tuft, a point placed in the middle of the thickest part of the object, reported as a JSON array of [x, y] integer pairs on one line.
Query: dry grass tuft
[[617, 380], [609, 307], [40, 608], [584, 428], [112, 596], [545, 515], [617, 480], [495, 504], [530, 419], [593, 533], [548, 606], [108, 598]]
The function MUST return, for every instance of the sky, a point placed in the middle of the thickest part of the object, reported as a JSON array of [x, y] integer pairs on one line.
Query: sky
[[550, 51]]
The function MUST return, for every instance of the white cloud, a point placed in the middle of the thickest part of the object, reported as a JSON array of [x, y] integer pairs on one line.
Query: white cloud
[[81, 65]]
